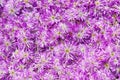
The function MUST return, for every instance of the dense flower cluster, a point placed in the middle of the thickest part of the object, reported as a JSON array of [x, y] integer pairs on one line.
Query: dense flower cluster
[[59, 39]]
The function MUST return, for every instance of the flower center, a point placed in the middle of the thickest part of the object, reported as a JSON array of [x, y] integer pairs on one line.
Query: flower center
[[97, 3], [106, 65], [67, 50]]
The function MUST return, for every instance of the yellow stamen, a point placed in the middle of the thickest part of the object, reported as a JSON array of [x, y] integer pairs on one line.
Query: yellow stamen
[[16, 52], [107, 65], [25, 55], [26, 1], [97, 3], [79, 35], [52, 17], [67, 50], [12, 72], [58, 33], [112, 54], [21, 66], [7, 43], [25, 40]]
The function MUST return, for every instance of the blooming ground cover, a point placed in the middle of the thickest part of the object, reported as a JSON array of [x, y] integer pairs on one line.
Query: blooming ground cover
[[59, 39]]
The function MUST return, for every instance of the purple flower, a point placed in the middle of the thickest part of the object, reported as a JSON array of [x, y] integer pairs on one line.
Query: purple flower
[[59, 40]]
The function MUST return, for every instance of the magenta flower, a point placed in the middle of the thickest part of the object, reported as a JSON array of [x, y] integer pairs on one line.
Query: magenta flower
[[59, 40]]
